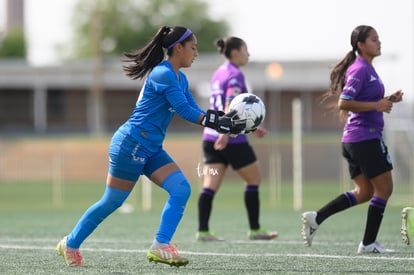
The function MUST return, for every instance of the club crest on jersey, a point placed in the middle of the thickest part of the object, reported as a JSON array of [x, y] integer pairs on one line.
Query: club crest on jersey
[[236, 91]]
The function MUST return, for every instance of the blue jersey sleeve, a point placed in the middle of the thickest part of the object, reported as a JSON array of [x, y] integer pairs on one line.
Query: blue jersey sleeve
[[177, 94]]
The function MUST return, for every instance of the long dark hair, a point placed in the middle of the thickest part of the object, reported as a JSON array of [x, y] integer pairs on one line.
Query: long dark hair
[[226, 45], [146, 58], [337, 77]]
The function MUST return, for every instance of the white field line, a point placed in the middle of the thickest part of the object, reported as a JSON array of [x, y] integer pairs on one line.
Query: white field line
[[289, 255], [129, 241]]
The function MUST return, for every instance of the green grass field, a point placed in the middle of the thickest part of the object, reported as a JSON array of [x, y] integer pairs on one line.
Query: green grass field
[[30, 227]]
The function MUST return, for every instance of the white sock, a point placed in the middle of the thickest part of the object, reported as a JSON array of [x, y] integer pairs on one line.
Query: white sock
[[156, 244]]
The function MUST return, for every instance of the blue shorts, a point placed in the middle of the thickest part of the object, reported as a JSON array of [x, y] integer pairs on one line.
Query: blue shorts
[[128, 159]]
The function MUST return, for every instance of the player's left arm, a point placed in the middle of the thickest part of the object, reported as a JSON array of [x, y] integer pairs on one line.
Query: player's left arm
[[181, 100]]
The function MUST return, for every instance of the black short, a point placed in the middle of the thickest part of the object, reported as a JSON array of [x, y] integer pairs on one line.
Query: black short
[[368, 157], [237, 155]]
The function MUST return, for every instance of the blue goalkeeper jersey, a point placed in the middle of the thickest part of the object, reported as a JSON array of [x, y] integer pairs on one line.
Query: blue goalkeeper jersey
[[163, 94]]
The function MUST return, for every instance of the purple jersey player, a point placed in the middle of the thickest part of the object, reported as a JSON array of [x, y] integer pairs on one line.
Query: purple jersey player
[[226, 83], [221, 150], [362, 83], [362, 103]]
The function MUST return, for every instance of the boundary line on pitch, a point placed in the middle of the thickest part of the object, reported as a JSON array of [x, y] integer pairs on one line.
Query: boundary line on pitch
[[111, 241], [289, 255]]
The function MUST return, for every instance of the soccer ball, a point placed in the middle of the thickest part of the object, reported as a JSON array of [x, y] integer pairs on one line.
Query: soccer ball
[[250, 107]]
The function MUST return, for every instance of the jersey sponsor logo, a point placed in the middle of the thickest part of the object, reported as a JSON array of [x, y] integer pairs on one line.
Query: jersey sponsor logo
[[373, 78]]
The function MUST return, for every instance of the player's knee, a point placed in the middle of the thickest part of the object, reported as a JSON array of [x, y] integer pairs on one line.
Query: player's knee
[[177, 186], [184, 191], [252, 178], [114, 198]]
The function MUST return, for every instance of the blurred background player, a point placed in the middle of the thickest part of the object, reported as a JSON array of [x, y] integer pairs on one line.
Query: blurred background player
[[407, 225], [362, 103], [136, 147], [221, 150]]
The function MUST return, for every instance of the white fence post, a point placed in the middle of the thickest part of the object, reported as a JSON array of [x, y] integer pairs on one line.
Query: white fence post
[[297, 153]]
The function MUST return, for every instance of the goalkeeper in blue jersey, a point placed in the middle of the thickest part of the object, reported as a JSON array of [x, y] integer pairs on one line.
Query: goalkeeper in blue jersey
[[136, 147]]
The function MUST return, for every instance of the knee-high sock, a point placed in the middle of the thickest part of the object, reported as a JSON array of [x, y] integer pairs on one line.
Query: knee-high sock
[[205, 203], [340, 203], [252, 203], [376, 210], [110, 201], [179, 190]]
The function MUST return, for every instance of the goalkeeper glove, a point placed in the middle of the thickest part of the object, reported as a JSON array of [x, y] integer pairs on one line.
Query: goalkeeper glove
[[229, 123]]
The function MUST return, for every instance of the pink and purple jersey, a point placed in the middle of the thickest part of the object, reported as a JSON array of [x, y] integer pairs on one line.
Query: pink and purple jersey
[[362, 83], [226, 83]]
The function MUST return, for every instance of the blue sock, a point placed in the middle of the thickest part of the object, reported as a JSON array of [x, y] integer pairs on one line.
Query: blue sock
[[110, 201], [179, 190]]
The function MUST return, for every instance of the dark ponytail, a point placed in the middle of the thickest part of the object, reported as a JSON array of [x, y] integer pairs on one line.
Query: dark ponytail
[[146, 58], [337, 77], [226, 45]]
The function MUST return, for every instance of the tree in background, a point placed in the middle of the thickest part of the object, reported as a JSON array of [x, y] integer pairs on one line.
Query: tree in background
[[128, 25], [13, 45], [105, 28]]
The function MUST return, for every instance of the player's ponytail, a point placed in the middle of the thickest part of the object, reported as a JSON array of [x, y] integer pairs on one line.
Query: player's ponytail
[[337, 77], [338, 73], [359, 34], [146, 58]]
